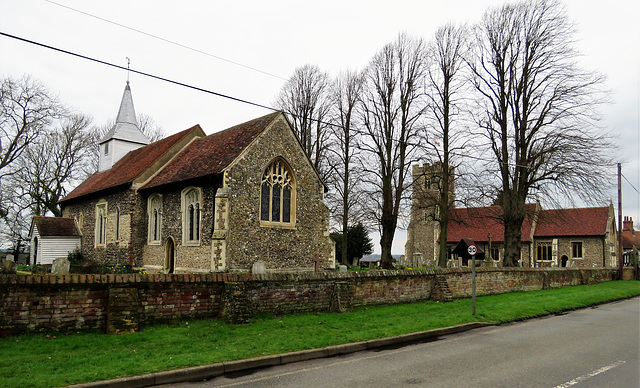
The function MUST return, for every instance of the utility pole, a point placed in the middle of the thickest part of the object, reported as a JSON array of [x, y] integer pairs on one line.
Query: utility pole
[[620, 270]]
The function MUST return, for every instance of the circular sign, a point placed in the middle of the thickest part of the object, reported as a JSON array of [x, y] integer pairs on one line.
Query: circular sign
[[472, 249]]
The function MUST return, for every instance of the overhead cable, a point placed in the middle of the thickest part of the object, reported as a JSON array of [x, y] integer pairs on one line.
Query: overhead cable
[[166, 40], [222, 95], [137, 71]]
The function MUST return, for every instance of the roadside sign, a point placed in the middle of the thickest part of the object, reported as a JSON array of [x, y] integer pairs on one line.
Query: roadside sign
[[472, 249]]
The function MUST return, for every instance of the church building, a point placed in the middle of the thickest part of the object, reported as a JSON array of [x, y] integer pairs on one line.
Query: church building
[[579, 237], [197, 203]]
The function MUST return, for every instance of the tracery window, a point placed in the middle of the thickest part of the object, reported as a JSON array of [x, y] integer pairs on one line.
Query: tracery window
[[191, 205], [101, 225], [277, 195], [154, 210]]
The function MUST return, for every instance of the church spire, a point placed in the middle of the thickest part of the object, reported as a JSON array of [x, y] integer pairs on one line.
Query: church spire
[[124, 136], [126, 127]]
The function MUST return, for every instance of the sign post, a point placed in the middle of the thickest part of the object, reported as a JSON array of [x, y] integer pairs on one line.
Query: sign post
[[472, 249]]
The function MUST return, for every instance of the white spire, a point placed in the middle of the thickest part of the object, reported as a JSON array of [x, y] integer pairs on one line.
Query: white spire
[[126, 126], [124, 136]]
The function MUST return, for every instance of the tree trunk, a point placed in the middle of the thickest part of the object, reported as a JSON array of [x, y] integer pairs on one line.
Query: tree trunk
[[345, 200], [386, 241], [513, 217], [344, 260]]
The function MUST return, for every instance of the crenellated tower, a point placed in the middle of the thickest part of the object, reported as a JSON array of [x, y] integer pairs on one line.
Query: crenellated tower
[[423, 232]]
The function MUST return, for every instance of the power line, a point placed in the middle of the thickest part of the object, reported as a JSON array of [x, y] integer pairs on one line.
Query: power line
[[226, 96], [137, 72], [166, 40], [631, 184]]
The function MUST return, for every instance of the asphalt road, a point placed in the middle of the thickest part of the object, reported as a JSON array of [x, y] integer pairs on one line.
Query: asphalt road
[[596, 347]]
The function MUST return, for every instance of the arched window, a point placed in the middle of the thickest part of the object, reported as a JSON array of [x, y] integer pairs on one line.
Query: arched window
[[101, 225], [191, 219], [277, 195], [154, 210]]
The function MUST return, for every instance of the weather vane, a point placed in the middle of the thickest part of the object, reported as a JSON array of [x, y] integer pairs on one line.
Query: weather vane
[[128, 68]]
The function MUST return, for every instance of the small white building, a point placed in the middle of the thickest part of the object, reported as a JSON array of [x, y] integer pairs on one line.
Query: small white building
[[52, 237]]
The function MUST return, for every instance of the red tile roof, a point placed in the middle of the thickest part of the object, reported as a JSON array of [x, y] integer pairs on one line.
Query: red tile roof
[[211, 154], [591, 221], [56, 226], [476, 223], [127, 169], [630, 239]]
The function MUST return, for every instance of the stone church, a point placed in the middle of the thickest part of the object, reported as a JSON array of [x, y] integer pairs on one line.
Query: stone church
[[197, 203], [579, 237]]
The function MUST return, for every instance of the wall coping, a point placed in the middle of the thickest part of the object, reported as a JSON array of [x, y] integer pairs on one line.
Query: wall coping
[[119, 279]]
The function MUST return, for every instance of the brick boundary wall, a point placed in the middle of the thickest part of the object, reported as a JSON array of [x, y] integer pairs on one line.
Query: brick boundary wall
[[125, 303]]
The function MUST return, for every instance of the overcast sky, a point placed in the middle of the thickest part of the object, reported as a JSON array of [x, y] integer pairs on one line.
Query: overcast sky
[[267, 40]]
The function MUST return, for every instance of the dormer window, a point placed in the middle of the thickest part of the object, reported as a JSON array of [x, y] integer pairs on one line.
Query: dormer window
[[106, 148]]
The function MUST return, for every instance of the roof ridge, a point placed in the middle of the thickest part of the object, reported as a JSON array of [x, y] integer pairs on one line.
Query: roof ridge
[[214, 152]]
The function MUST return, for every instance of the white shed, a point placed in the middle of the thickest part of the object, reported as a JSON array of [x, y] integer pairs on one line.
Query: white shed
[[52, 237]]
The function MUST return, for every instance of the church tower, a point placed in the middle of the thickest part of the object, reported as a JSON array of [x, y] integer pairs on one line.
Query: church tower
[[124, 136], [423, 232]]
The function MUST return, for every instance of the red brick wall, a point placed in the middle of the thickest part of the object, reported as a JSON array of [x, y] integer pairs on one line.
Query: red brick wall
[[41, 303]]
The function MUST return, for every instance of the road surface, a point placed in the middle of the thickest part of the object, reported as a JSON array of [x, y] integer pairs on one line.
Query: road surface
[[596, 347]]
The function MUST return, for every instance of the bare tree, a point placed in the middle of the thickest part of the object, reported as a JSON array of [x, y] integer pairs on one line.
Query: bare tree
[[26, 107], [538, 111], [391, 109], [55, 162], [345, 196], [305, 97], [16, 218], [445, 91]]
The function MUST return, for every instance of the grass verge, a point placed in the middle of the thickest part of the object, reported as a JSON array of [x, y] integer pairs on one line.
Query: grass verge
[[61, 359]]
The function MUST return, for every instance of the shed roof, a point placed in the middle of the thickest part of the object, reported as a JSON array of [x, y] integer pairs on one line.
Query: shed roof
[[55, 226]]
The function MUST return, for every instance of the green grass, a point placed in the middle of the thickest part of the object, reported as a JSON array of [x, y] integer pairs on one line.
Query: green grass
[[61, 359]]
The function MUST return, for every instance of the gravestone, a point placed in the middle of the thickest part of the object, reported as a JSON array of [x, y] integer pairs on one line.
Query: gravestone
[[60, 266], [8, 267], [343, 268], [259, 267]]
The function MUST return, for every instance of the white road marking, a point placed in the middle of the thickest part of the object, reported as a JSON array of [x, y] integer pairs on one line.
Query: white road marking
[[590, 374]]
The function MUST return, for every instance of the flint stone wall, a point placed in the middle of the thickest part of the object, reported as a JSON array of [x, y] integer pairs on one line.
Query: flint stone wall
[[125, 303]]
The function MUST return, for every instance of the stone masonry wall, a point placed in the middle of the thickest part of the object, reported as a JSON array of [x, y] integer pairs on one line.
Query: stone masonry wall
[[120, 251], [187, 258], [278, 247], [125, 303]]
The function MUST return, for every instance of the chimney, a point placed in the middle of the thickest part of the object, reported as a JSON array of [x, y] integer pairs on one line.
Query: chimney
[[627, 225]]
